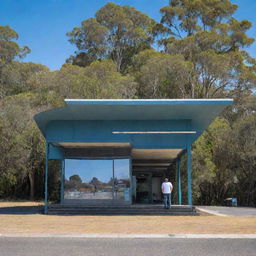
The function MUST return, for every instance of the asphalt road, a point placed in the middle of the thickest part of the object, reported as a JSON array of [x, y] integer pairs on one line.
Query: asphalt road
[[125, 247]]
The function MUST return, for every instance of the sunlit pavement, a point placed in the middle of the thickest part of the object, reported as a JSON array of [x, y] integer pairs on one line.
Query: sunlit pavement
[[229, 211]]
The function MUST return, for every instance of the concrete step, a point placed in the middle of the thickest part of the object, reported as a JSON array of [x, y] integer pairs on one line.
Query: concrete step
[[127, 207], [124, 213], [121, 210], [116, 210]]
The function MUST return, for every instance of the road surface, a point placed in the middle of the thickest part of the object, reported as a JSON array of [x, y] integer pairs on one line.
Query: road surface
[[125, 247]]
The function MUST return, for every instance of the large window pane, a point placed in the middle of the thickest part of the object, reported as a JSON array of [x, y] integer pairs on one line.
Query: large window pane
[[96, 179], [122, 179], [88, 179]]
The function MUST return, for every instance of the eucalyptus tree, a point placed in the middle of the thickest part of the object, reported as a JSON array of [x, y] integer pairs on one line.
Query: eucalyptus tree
[[160, 75], [21, 147], [206, 34], [9, 50], [19, 77], [116, 32], [95, 81], [224, 157]]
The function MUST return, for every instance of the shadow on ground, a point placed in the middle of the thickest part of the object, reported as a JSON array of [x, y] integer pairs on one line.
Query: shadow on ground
[[21, 210]]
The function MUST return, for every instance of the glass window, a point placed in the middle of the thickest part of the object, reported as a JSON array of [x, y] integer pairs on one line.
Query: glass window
[[88, 179], [122, 179], [95, 179]]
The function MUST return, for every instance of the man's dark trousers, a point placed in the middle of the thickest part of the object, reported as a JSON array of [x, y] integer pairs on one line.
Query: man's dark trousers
[[167, 200]]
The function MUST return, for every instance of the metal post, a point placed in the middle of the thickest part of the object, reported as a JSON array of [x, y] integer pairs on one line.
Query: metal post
[[113, 182], [189, 175], [62, 181], [150, 198], [46, 179], [179, 182], [130, 173]]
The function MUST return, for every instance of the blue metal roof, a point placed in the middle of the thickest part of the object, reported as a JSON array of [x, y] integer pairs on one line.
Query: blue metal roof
[[200, 111]]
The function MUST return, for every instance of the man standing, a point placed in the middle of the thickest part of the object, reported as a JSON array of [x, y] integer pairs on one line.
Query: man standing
[[167, 190]]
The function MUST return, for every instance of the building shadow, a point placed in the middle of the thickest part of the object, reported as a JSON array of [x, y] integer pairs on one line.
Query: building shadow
[[13, 210]]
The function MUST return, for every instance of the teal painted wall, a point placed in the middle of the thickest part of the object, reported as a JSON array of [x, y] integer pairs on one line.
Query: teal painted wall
[[101, 131], [55, 152]]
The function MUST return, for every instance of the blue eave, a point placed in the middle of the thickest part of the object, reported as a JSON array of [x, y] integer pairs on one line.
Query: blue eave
[[201, 112]]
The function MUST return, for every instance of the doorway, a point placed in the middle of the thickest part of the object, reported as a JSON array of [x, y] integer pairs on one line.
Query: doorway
[[143, 189], [147, 187]]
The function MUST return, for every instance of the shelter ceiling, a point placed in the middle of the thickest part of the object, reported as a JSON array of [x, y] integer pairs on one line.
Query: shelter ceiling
[[155, 154]]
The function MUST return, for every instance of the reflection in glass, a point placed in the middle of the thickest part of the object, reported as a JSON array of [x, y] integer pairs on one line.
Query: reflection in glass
[[95, 179], [122, 179], [88, 179]]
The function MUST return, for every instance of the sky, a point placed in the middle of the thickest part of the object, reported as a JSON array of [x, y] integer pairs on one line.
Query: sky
[[42, 24], [101, 169]]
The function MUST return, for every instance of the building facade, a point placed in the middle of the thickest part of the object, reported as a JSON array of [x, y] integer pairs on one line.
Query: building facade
[[118, 151]]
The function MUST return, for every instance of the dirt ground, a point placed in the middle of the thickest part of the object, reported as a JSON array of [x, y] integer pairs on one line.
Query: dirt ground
[[20, 203], [39, 224]]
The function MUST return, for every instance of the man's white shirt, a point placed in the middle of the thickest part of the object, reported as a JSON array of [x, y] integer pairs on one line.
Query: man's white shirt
[[166, 187]]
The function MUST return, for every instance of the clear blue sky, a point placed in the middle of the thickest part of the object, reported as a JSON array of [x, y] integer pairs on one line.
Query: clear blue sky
[[42, 24], [101, 169]]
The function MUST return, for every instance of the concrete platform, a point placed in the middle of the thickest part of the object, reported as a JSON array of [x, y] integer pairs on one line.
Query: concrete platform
[[228, 211], [134, 209]]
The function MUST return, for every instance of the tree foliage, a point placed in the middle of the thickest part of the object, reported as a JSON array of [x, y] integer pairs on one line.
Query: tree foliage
[[202, 55], [206, 35], [22, 146], [225, 160], [9, 50], [116, 32]]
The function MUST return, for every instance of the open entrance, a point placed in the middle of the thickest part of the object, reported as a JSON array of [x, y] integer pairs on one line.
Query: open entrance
[[114, 174], [149, 168], [147, 187]]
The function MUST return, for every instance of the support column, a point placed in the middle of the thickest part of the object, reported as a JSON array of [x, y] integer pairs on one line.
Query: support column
[[46, 179], [131, 180], [179, 182], [113, 182], [62, 181], [189, 175], [150, 188]]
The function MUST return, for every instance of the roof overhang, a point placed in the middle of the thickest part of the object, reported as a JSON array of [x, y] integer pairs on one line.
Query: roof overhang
[[200, 111]]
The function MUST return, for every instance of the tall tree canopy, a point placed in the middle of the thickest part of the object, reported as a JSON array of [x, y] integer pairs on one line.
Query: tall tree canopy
[[206, 34], [116, 32], [225, 158], [9, 50]]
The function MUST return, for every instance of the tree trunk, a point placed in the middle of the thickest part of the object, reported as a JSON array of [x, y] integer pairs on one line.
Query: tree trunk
[[31, 176]]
